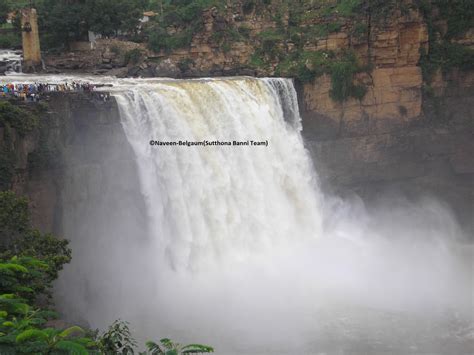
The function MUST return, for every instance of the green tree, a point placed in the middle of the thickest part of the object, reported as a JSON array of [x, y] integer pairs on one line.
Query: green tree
[[63, 21], [4, 10], [108, 17], [60, 22], [23, 327], [16, 117]]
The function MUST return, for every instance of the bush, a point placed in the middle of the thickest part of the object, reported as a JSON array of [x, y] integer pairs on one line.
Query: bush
[[347, 7], [256, 61], [115, 49], [19, 239], [185, 64], [270, 41], [117, 339], [18, 118], [159, 40], [10, 41], [342, 79], [133, 56]]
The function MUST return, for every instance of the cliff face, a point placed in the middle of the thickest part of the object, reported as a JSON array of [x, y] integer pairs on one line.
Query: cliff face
[[62, 165]]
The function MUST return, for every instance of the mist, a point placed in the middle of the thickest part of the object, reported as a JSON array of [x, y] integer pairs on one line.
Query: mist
[[240, 248]]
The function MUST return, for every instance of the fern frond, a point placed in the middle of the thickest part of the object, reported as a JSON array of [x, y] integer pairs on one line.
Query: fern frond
[[167, 343], [13, 267], [196, 349], [154, 348], [75, 329], [51, 332], [31, 334]]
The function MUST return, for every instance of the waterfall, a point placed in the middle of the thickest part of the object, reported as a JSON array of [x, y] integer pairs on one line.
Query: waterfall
[[182, 226], [221, 201]]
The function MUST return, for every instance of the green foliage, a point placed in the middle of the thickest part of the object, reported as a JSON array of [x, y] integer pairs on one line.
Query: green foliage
[[4, 10], [257, 61], [459, 15], [271, 35], [228, 36], [271, 40], [133, 56], [306, 66], [19, 274], [63, 21], [117, 339], [185, 64], [443, 53], [184, 17], [159, 39], [43, 254], [321, 30], [60, 22], [11, 40], [18, 118], [18, 4], [360, 30], [14, 217], [445, 56], [342, 79], [116, 49], [168, 347], [347, 7], [110, 16], [22, 327]]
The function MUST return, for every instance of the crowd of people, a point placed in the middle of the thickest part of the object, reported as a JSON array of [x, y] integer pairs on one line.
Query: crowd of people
[[34, 91]]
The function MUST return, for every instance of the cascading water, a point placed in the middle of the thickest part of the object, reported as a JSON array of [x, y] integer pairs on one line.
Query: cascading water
[[10, 61], [213, 202], [237, 246]]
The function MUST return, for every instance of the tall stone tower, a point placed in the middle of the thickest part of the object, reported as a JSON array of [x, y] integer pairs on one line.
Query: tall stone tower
[[30, 37]]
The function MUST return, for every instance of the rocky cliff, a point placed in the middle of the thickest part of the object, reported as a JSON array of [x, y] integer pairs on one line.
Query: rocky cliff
[[364, 66], [77, 139]]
